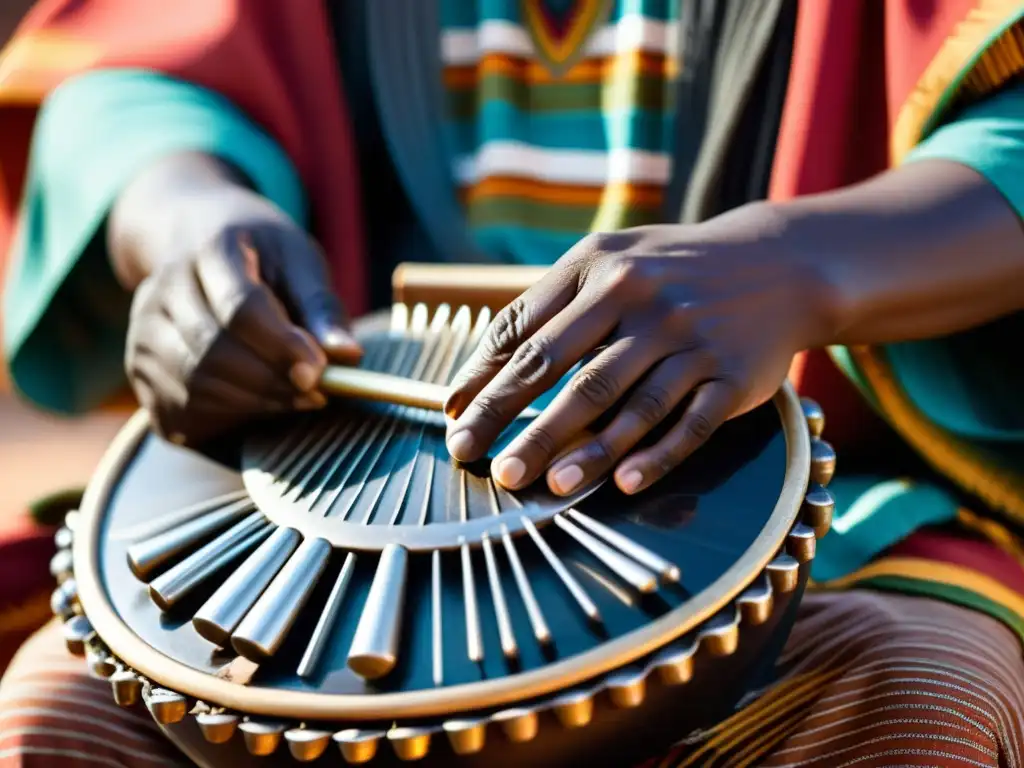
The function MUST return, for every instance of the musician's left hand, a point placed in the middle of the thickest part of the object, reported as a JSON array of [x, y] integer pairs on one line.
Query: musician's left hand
[[713, 310]]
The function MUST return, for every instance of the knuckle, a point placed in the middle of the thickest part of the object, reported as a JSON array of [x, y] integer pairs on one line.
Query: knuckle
[[652, 404], [531, 363], [506, 331], [697, 426], [540, 440], [600, 453], [596, 387], [486, 409]]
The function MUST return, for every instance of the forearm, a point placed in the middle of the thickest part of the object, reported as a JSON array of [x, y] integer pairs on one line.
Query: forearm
[[923, 251], [153, 219]]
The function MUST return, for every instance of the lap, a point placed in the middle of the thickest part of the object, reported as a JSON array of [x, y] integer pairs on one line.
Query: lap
[[53, 713], [867, 679]]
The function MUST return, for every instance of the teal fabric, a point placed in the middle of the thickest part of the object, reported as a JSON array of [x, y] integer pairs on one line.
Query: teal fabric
[[65, 316], [872, 514], [970, 383]]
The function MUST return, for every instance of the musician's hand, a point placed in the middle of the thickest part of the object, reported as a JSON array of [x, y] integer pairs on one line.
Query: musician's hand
[[676, 311], [240, 327]]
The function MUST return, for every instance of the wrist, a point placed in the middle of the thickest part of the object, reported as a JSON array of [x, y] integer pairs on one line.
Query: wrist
[[779, 232], [153, 221]]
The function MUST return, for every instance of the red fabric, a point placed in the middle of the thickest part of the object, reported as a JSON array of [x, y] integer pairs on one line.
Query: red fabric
[[25, 583], [273, 59], [952, 548], [855, 62]]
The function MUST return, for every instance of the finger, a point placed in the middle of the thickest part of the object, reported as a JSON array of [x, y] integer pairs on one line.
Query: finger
[[713, 403], [307, 289], [231, 361], [538, 364], [249, 310], [591, 391], [512, 326], [647, 406]]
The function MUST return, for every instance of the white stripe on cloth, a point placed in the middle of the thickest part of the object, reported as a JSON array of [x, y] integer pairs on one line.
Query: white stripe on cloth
[[593, 168], [50, 734], [128, 726]]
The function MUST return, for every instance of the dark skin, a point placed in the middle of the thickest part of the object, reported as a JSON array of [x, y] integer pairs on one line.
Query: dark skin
[[232, 316], [233, 320], [717, 311]]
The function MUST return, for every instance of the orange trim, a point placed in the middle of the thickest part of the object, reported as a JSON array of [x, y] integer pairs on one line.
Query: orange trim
[[778, 701], [1000, 487], [28, 64], [992, 532], [562, 194], [993, 67], [587, 71], [929, 570], [560, 50]]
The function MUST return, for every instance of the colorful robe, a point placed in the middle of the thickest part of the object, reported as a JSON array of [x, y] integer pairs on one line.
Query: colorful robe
[[849, 114]]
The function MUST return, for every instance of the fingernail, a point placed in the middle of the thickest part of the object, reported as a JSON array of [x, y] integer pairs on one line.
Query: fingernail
[[453, 405], [304, 376], [567, 478], [310, 402], [510, 471], [630, 480], [460, 445]]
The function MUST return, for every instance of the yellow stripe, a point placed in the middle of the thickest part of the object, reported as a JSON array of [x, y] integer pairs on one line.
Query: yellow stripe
[[992, 68], [993, 532], [563, 194], [999, 487], [560, 51], [586, 71], [30, 63], [778, 702], [929, 570]]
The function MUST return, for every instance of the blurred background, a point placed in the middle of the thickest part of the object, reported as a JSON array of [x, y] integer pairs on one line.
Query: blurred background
[[40, 454]]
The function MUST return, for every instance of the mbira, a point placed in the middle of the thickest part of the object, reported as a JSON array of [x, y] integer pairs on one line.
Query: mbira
[[332, 587]]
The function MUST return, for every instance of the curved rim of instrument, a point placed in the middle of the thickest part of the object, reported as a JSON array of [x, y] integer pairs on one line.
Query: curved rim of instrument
[[562, 675]]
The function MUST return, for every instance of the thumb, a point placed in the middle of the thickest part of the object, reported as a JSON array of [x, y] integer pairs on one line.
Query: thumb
[[307, 289]]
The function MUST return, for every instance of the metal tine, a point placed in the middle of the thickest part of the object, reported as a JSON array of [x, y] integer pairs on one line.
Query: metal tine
[[508, 638], [436, 616], [172, 585], [483, 320], [276, 452], [177, 517], [541, 630], [146, 556], [632, 573], [375, 646], [570, 582], [341, 435], [322, 632], [460, 329], [305, 452], [537, 622], [667, 570], [426, 364], [404, 334], [224, 611], [474, 637], [312, 460], [267, 624]]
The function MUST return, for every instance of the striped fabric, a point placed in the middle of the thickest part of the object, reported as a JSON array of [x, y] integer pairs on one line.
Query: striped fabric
[[561, 117], [53, 714], [868, 680], [879, 680]]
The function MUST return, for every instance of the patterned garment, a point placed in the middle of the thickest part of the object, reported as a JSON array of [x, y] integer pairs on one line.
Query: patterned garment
[[561, 117], [869, 680]]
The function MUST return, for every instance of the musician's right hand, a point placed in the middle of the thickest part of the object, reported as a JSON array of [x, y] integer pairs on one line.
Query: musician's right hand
[[234, 317]]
